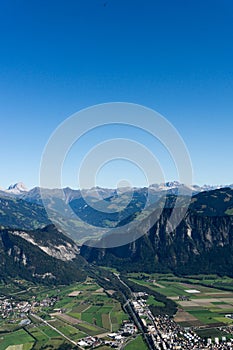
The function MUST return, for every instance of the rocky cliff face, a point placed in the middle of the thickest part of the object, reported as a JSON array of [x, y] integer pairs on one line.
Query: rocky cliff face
[[44, 255], [51, 241], [200, 244]]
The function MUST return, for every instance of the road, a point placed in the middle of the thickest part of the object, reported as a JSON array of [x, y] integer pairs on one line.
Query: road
[[133, 314], [55, 329], [126, 294]]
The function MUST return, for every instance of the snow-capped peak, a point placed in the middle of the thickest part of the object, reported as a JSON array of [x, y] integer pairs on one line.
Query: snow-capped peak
[[17, 188]]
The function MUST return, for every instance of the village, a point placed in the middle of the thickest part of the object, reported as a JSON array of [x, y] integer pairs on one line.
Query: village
[[9, 308], [167, 334], [116, 339], [162, 331]]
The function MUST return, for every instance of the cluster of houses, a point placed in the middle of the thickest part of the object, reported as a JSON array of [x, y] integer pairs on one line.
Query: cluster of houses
[[10, 308], [89, 342], [164, 332], [167, 334], [114, 340], [48, 302], [139, 303]]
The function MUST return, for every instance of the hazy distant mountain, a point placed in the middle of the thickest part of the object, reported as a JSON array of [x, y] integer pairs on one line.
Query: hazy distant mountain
[[34, 195], [17, 213], [17, 188], [100, 208]]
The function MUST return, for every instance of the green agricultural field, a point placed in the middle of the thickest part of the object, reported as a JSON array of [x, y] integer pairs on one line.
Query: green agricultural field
[[168, 289], [152, 301], [120, 317], [38, 334], [90, 312], [208, 307], [71, 332], [51, 333], [106, 322], [43, 339], [205, 316], [212, 333], [136, 344], [80, 308], [111, 269], [5, 327], [90, 329], [53, 343], [16, 338], [27, 346], [214, 281], [177, 288], [96, 309], [76, 315], [93, 317]]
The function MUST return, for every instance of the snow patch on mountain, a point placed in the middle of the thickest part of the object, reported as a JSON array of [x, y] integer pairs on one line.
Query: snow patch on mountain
[[17, 188]]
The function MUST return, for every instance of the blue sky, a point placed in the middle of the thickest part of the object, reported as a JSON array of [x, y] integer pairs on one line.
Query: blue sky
[[57, 57]]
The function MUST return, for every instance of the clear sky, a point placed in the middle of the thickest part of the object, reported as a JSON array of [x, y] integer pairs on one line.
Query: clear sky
[[57, 57]]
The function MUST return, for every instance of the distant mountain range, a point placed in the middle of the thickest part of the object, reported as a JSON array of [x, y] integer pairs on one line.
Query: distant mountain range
[[32, 248], [89, 213], [20, 190]]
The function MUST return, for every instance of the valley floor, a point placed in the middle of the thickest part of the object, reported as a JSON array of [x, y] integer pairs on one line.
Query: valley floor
[[204, 303], [37, 317], [88, 314]]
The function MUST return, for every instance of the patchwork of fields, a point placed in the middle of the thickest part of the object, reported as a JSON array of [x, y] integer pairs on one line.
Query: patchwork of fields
[[203, 301], [82, 310]]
